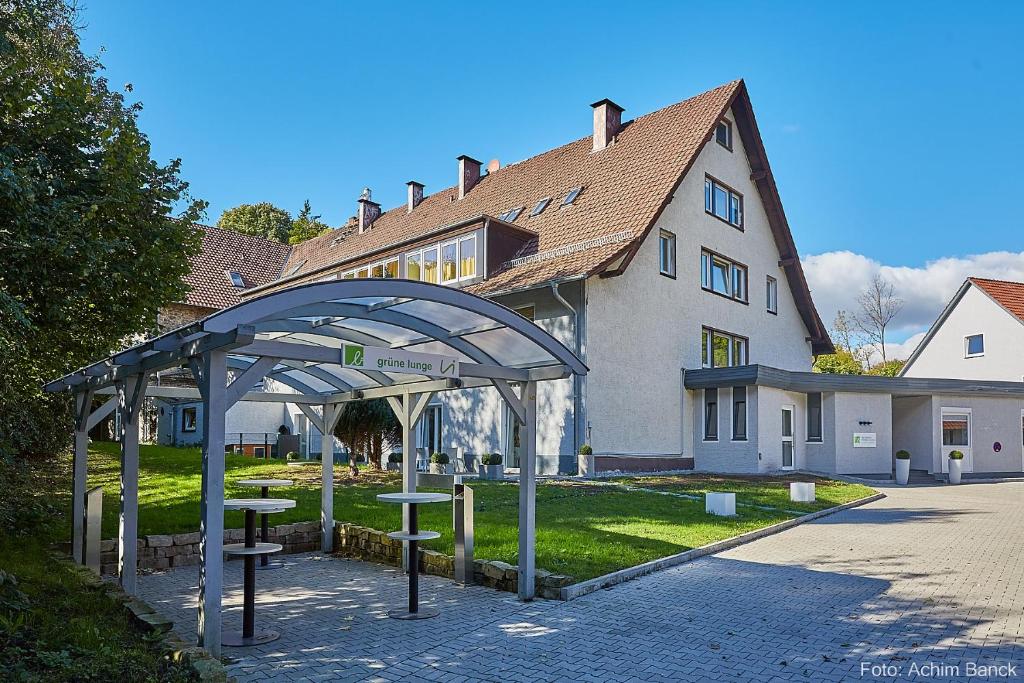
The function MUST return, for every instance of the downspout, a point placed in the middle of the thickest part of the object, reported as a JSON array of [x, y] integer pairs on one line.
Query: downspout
[[578, 407]]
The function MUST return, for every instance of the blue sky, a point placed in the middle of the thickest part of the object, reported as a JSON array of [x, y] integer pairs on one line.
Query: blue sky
[[892, 128]]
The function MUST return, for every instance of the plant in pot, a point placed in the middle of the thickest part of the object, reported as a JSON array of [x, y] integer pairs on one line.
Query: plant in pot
[[439, 463], [902, 467], [292, 455], [395, 462], [492, 466], [956, 464]]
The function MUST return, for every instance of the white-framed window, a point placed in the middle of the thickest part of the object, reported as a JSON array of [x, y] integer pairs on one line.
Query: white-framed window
[[722, 349], [188, 419], [458, 261], [449, 262], [388, 268], [772, 295], [739, 413], [667, 253], [723, 134], [723, 276], [974, 345], [236, 278], [814, 417], [723, 202], [467, 257]]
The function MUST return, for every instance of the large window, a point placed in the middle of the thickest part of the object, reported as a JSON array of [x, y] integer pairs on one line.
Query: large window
[[772, 295], [467, 257], [388, 268], [723, 134], [723, 276], [814, 429], [458, 261], [739, 413], [723, 202], [449, 262], [711, 414], [667, 253], [188, 419], [722, 350], [974, 346]]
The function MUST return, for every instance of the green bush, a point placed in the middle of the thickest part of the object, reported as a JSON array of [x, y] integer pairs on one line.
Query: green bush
[[440, 458], [585, 449], [492, 459], [902, 455], [956, 455], [395, 457], [292, 455]]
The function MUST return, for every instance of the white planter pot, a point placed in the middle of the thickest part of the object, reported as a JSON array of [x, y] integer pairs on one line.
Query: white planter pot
[[902, 471], [955, 469], [439, 468], [492, 472], [721, 504], [801, 491]]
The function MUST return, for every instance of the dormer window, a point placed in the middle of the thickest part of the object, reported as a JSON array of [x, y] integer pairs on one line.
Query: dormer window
[[723, 134], [236, 278]]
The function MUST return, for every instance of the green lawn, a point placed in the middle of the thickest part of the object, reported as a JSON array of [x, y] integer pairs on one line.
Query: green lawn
[[583, 529]]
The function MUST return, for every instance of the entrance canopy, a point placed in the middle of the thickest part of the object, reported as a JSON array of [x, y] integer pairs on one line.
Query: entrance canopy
[[297, 337], [329, 343]]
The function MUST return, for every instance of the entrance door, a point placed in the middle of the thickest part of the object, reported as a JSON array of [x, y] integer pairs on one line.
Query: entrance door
[[787, 437], [956, 436]]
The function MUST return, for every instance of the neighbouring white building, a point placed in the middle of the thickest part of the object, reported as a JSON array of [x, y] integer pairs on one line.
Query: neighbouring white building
[[658, 251]]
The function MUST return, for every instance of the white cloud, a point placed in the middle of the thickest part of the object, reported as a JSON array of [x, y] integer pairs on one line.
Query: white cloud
[[837, 277]]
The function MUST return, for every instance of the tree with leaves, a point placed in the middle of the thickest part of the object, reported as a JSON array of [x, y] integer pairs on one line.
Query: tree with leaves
[[90, 248], [260, 220], [849, 357], [879, 306], [363, 427], [306, 226]]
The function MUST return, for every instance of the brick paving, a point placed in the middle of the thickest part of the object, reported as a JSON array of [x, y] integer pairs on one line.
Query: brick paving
[[928, 577]]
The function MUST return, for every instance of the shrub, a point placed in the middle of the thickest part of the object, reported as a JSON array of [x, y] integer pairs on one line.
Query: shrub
[[292, 455], [585, 449], [439, 458], [902, 455], [395, 457], [956, 455], [491, 459]]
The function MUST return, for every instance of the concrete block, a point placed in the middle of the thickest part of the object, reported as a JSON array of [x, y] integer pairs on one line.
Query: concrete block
[[159, 541], [801, 492], [721, 504], [186, 539]]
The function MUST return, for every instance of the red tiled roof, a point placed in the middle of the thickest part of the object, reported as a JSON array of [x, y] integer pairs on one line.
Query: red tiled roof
[[1009, 295], [256, 259]]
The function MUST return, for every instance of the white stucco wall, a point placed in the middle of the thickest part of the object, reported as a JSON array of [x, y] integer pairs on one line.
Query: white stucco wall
[[850, 410], [976, 313], [643, 327], [725, 454], [992, 420], [769, 415], [913, 430]]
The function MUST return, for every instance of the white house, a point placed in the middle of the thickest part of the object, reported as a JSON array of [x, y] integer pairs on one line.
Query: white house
[[979, 335]]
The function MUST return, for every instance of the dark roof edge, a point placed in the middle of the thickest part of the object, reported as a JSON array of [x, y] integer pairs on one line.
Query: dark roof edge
[[763, 375]]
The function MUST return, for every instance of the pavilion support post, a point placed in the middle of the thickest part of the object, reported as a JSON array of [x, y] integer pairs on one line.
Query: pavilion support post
[[408, 410], [211, 374], [331, 414], [83, 399], [528, 492], [130, 396]]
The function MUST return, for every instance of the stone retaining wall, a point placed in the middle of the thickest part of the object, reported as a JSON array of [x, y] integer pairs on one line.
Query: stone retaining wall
[[182, 550], [375, 546]]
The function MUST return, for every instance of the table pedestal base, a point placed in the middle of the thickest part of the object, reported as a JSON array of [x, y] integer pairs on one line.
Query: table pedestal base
[[406, 615], [273, 564], [236, 639]]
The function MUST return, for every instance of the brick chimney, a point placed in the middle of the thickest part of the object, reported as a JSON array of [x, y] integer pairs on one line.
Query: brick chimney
[[369, 211], [415, 195], [607, 123], [469, 174]]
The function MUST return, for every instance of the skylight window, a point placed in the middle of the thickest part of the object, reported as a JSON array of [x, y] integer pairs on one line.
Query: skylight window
[[512, 214], [571, 197], [235, 277], [294, 269], [540, 206]]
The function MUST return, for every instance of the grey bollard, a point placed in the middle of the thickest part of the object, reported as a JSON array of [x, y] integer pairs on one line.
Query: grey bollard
[[93, 526], [462, 510]]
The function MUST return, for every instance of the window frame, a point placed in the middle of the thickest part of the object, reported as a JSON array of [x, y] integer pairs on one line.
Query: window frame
[[194, 411], [708, 257], [728, 133], [707, 347], [736, 436], [772, 295], [967, 345], [711, 183], [670, 237], [471, 237], [711, 392], [820, 436]]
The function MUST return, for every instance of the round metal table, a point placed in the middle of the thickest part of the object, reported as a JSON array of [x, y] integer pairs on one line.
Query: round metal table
[[249, 550], [414, 536], [265, 486]]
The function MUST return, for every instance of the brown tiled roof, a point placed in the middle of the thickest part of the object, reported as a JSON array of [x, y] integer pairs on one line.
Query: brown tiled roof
[[1009, 295], [625, 188], [258, 260]]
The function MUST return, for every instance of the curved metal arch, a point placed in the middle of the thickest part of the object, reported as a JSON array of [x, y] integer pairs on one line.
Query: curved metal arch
[[282, 302], [304, 327], [236, 363]]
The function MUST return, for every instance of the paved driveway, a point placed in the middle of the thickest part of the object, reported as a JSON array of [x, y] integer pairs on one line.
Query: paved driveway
[[919, 586]]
